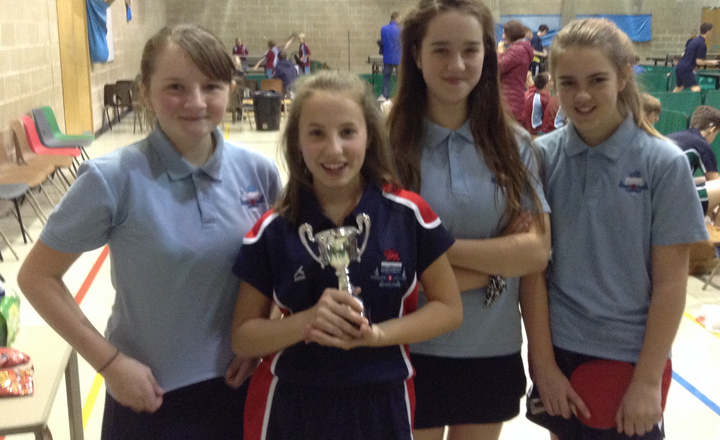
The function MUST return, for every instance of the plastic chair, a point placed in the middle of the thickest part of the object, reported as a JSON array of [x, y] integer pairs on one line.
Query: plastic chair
[[81, 140], [712, 98], [653, 81], [658, 69], [684, 102], [109, 103], [250, 86], [123, 95], [26, 156], [15, 193], [671, 121], [33, 177], [235, 104], [51, 136], [31, 134]]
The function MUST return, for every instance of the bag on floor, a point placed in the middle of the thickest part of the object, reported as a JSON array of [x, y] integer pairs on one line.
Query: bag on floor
[[9, 316]]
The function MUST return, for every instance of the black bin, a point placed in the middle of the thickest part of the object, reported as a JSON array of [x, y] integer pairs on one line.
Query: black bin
[[267, 110]]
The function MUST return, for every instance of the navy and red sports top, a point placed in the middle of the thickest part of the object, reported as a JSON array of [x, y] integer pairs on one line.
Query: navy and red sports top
[[406, 237]]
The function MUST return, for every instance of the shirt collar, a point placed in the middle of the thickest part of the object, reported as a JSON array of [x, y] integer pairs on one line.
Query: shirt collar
[[695, 131], [176, 165], [435, 135], [612, 148], [312, 212]]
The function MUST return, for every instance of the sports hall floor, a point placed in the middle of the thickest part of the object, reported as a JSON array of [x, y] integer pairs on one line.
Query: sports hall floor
[[693, 409]]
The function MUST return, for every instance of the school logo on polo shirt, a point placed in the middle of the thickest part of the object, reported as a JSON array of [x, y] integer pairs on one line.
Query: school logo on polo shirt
[[634, 183], [251, 197], [390, 273]]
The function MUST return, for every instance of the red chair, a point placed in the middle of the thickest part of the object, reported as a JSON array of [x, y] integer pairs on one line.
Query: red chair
[[38, 148]]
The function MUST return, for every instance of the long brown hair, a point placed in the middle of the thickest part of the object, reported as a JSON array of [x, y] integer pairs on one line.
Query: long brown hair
[[605, 36], [493, 131], [377, 167]]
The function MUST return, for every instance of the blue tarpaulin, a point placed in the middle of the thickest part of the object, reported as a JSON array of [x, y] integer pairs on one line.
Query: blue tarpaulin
[[553, 21], [97, 30], [638, 27]]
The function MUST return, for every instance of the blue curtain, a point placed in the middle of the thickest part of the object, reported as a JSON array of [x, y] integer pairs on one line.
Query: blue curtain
[[97, 30], [638, 27]]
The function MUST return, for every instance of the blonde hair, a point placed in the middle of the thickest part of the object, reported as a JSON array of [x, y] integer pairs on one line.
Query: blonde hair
[[377, 167], [604, 35], [650, 104]]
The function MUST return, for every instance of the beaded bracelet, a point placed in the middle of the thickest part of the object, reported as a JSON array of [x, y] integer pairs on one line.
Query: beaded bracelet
[[107, 364]]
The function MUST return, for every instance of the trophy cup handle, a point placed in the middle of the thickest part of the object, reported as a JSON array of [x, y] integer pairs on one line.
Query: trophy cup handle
[[306, 233], [363, 221]]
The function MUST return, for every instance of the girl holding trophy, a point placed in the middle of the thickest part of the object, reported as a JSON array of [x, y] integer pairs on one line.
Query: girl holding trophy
[[335, 367]]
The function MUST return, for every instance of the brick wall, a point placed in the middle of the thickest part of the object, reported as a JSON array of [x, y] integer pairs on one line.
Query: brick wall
[[338, 32], [329, 24], [29, 61], [30, 58]]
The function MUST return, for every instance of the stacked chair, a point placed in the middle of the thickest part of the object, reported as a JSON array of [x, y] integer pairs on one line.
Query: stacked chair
[[27, 156], [52, 137], [120, 96], [17, 182]]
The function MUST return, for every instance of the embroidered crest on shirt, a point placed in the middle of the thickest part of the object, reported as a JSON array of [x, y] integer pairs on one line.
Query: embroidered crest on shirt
[[390, 273], [299, 274], [633, 183], [252, 197]]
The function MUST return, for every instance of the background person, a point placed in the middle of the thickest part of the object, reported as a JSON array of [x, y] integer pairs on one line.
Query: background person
[[390, 36], [539, 51], [514, 57], [304, 55], [694, 56], [240, 54], [286, 72], [696, 142], [536, 104], [270, 59], [651, 106]]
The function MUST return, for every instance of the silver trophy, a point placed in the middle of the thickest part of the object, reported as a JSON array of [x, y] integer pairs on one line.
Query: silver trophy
[[338, 248]]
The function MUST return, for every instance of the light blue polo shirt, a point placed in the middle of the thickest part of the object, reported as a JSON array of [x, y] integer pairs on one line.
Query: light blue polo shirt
[[610, 205], [174, 231], [460, 188]]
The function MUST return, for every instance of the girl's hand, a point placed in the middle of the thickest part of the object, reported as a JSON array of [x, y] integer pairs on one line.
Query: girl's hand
[[336, 317], [520, 224], [240, 369], [558, 397], [132, 384], [640, 409], [370, 335]]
